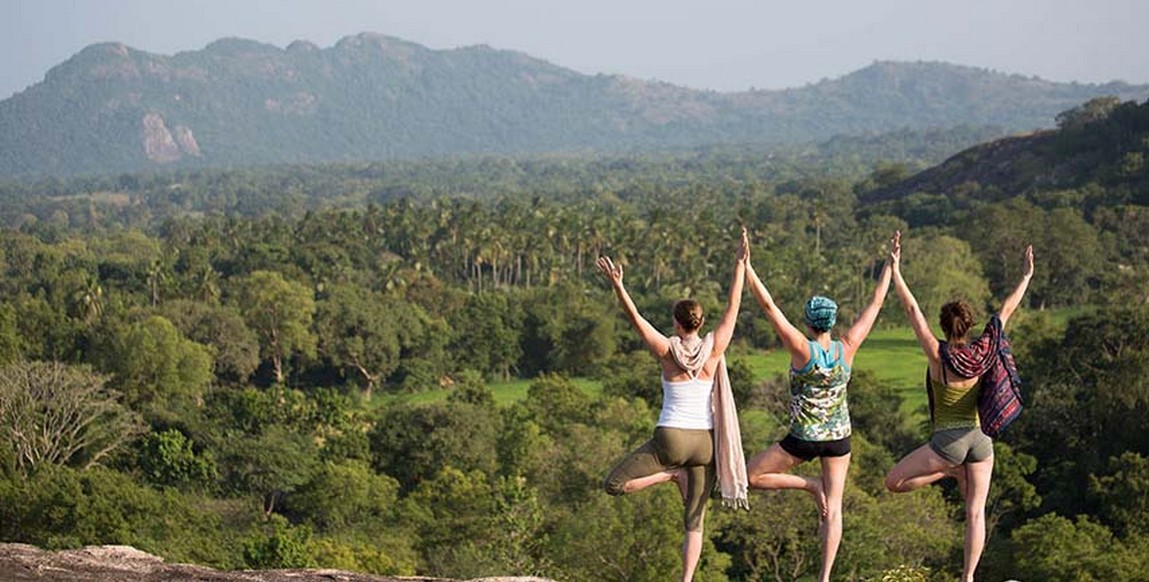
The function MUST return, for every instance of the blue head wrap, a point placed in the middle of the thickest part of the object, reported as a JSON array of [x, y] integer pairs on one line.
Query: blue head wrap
[[821, 313]]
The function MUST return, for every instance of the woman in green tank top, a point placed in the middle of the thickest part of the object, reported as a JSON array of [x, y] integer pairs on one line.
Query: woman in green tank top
[[958, 448]]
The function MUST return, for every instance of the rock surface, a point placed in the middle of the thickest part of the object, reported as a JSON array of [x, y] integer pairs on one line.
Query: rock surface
[[21, 562]]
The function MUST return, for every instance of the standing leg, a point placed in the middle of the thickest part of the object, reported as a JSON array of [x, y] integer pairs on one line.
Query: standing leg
[[691, 553], [699, 482], [978, 475], [830, 527], [770, 470]]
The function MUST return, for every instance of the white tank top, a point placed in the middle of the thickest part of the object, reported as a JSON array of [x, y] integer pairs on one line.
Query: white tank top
[[686, 404]]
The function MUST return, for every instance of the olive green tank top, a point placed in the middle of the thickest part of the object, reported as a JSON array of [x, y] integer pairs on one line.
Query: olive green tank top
[[953, 406]]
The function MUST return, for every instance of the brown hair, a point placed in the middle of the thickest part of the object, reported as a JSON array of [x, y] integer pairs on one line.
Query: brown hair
[[688, 314], [956, 318]]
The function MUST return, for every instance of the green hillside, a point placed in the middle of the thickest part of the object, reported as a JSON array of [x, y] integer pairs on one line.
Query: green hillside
[[1096, 157]]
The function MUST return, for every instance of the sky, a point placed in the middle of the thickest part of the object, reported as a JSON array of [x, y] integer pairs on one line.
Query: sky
[[724, 45]]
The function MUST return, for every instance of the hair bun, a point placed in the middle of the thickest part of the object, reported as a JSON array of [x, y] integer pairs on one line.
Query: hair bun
[[688, 313]]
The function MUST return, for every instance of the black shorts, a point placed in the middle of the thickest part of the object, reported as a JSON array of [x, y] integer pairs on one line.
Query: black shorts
[[807, 450]]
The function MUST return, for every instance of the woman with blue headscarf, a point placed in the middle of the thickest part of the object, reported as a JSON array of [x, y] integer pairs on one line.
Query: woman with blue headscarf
[[820, 369]]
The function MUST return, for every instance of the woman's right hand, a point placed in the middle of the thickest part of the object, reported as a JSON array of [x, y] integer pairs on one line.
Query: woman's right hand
[[896, 250], [611, 271], [1028, 271], [744, 248]]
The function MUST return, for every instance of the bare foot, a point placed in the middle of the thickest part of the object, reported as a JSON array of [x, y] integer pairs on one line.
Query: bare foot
[[958, 473], [679, 477], [655, 479], [814, 486]]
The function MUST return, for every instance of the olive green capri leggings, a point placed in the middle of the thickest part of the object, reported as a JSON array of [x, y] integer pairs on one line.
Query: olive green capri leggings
[[669, 449]]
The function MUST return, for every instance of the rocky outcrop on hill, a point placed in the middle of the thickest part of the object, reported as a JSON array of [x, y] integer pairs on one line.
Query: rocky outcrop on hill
[[161, 146], [21, 562]]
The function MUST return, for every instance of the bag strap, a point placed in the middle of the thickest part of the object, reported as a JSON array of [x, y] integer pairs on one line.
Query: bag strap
[[930, 394]]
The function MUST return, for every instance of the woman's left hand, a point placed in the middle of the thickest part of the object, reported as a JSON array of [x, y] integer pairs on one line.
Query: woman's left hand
[[744, 248], [896, 249], [611, 271]]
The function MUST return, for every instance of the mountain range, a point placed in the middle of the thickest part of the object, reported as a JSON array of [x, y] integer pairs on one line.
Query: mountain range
[[112, 109]]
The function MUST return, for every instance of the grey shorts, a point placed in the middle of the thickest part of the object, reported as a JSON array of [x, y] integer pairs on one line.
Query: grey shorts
[[962, 445]]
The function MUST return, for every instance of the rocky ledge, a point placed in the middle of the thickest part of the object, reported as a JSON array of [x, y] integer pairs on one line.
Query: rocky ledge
[[21, 562]]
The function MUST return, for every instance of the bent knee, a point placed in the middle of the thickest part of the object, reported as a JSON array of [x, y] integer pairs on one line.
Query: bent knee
[[613, 487], [895, 485]]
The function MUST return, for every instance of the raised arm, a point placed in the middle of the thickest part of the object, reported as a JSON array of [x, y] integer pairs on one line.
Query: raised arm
[[725, 328], [918, 322], [655, 341], [1014, 299], [853, 338], [792, 338]]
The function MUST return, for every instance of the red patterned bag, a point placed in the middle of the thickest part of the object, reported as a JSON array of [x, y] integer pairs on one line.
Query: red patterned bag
[[990, 358], [999, 402]]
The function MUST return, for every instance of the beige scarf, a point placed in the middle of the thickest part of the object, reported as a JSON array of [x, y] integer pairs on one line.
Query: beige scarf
[[691, 355]]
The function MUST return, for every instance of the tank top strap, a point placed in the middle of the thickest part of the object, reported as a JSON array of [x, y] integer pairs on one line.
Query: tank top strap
[[828, 357], [823, 357]]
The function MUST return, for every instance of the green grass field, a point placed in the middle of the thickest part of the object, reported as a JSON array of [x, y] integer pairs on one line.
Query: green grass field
[[892, 355], [505, 393], [515, 390]]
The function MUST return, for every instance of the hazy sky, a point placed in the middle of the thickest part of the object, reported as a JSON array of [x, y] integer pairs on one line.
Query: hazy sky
[[713, 44]]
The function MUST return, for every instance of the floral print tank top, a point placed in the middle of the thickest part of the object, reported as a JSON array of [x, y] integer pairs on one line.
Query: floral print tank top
[[818, 410]]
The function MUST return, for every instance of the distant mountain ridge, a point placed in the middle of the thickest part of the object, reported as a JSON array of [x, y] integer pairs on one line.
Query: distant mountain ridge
[[237, 102]]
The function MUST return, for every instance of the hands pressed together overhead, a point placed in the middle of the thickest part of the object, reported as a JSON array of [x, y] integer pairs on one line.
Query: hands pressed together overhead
[[896, 249], [744, 248]]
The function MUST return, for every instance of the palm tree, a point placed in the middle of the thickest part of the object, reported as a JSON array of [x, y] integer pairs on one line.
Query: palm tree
[[157, 277], [207, 285], [89, 300]]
